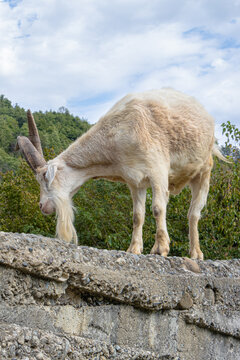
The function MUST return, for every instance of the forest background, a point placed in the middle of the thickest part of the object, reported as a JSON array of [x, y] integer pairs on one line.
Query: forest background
[[103, 216]]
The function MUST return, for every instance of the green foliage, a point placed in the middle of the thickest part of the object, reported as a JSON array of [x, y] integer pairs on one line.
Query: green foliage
[[103, 216], [232, 144], [8, 132], [7, 161], [231, 132], [19, 210], [219, 228]]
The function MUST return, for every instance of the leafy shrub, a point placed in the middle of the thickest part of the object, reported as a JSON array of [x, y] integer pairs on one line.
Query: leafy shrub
[[19, 210]]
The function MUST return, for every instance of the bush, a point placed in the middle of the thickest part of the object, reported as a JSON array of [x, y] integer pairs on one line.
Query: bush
[[19, 198]]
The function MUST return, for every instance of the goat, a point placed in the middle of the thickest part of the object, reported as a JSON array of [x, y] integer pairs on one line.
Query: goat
[[159, 138]]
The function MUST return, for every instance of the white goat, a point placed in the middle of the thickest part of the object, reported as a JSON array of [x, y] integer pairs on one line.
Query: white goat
[[163, 139]]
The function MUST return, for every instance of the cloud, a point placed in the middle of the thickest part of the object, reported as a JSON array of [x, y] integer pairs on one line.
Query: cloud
[[85, 55]]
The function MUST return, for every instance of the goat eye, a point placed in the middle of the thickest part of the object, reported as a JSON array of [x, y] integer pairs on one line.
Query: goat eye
[[44, 176]]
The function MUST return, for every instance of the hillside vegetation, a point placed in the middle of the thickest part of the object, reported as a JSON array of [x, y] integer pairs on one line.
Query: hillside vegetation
[[57, 130], [103, 216]]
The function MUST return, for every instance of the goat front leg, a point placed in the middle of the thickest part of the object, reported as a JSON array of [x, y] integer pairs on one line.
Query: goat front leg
[[139, 198], [159, 206]]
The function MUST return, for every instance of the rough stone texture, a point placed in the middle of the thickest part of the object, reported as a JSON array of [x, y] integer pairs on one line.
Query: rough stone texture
[[59, 301]]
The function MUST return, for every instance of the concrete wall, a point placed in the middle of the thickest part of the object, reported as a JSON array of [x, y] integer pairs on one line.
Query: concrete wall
[[59, 301]]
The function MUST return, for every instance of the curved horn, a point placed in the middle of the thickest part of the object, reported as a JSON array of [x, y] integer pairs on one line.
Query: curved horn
[[31, 154], [33, 132]]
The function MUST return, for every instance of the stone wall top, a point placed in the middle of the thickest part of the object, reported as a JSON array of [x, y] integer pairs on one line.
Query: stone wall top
[[145, 281]]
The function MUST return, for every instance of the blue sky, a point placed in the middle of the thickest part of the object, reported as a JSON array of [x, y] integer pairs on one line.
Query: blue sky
[[87, 54]]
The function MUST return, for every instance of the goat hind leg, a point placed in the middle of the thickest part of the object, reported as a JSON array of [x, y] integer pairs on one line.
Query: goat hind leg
[[199, 187], [139, 198], [159, 206]]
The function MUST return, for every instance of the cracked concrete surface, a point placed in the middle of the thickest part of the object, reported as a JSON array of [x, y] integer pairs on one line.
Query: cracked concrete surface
[[60, 301]]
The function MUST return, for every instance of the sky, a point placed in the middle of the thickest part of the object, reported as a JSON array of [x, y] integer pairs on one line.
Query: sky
[[87, 54]]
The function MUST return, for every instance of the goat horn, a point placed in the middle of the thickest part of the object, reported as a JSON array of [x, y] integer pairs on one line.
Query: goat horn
[[31, 154], [33, 133]]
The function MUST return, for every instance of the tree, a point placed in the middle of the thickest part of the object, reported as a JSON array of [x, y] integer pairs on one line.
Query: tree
[[232, 143]]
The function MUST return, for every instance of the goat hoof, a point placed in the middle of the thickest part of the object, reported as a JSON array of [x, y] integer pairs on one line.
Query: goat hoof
[[135, 249], [158, 249], [196, 255]]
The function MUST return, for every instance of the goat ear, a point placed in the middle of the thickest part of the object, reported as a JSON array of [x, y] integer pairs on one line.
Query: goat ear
[[50, 174]]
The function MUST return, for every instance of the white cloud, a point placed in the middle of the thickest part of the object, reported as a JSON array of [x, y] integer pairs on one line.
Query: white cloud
[[55, 53]]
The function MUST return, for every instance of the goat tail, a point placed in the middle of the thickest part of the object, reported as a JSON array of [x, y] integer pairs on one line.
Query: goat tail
[[217, 152]]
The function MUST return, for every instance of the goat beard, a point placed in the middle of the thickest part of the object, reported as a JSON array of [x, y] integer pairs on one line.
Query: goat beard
[[65, 217]]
